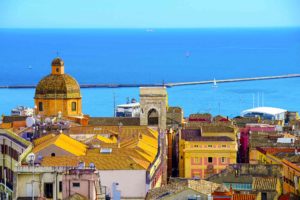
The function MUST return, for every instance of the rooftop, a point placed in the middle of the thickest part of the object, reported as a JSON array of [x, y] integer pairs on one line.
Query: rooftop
[[137, 150], [62, 141], [264, 183], [266, 110], [202, 186]]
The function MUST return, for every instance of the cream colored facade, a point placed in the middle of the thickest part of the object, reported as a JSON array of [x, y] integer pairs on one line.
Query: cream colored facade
[[154, 98], [28, 176]]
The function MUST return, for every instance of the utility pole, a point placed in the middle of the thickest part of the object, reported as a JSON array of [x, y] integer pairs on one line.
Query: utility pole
[[114, 96]]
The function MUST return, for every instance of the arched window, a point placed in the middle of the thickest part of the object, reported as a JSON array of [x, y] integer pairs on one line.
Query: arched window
[[73, 106], [57, 69], [41, 106], [52, 154]]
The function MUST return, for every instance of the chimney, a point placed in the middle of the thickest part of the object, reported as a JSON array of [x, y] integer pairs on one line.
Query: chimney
[[118, 141], [140, 136]]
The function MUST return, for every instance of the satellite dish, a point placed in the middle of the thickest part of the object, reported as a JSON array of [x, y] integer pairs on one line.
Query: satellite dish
[[92, 165], [40, 157], [30, 158], [30, 121], [48, 120], [81, 165]]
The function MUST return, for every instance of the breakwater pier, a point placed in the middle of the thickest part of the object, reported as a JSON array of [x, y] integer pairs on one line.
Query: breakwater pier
[[166, 84]]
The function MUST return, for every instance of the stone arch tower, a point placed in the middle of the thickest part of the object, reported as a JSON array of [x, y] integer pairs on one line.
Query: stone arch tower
[[154, 98]]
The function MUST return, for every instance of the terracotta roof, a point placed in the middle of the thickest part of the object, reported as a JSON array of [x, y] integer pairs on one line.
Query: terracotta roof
[[275, 150], [190, 134], [262, 183], [137, 152], [114, 121], [195, 135], [9, 119], [244, 196], [62, 141], [202, 186], [217, 128]]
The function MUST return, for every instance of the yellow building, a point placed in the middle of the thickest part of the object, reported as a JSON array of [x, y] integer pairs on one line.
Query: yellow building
[[204, 154], [58, 93]]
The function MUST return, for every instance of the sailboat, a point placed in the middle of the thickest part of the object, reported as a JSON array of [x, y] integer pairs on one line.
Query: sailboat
[[215, 83]]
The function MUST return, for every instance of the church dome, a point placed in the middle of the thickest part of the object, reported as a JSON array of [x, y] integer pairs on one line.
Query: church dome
[[61, 86], [57, 85]]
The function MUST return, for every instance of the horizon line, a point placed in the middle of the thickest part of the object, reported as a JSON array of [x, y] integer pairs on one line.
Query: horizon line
[[142, 28]]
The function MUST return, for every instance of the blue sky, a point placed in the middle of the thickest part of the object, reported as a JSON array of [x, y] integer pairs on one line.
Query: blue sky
[[148, 13]]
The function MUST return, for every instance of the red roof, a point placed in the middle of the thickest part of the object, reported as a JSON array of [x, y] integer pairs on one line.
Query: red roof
[[244, 197]]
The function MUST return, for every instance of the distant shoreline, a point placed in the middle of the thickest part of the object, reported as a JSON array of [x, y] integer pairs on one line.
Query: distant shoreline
[[165, 84]]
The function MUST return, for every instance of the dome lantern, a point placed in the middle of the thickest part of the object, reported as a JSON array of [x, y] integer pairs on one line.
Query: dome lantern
[[58, 66]]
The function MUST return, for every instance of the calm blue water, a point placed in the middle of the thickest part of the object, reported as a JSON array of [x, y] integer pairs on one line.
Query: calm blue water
[[137, 56]]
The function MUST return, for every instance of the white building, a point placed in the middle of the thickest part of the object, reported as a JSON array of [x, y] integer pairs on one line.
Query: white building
[[128, 110], [265, 113]]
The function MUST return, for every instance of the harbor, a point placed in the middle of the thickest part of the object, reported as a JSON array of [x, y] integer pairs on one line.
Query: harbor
[[166, 84]]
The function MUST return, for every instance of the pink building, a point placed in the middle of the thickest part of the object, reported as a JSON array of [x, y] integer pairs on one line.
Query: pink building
[[84, 182]]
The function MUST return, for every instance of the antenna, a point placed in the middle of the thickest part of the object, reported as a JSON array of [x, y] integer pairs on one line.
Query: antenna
[[257, 99], [262, 99], [253, 100], [57, 53]]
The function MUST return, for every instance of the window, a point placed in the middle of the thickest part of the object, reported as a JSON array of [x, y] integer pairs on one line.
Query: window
[[52, 154], [196, 145], [48, 190], [210, 159], [209, 146], [57, 69], [223, 145], [76, 184], [41, 106], [196, 160], [264, 196], [223, 159], [60, 186], [73, 106]]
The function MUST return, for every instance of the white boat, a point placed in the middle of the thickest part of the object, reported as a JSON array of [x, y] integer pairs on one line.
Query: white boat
[[215, 83]]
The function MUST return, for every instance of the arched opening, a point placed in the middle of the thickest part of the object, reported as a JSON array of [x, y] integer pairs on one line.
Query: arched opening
[[153, 117], [52, 154]]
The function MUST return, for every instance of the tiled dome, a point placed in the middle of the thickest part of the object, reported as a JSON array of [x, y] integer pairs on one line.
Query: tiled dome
[[61, 86]]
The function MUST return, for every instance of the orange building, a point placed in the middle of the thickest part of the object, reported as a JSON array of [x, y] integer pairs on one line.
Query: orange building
[[58, 93]]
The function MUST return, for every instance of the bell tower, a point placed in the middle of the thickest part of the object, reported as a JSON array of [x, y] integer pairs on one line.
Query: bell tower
[[58, 67]]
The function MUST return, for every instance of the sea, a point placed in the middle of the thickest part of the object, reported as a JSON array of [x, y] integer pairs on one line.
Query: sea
[[155, 56]]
